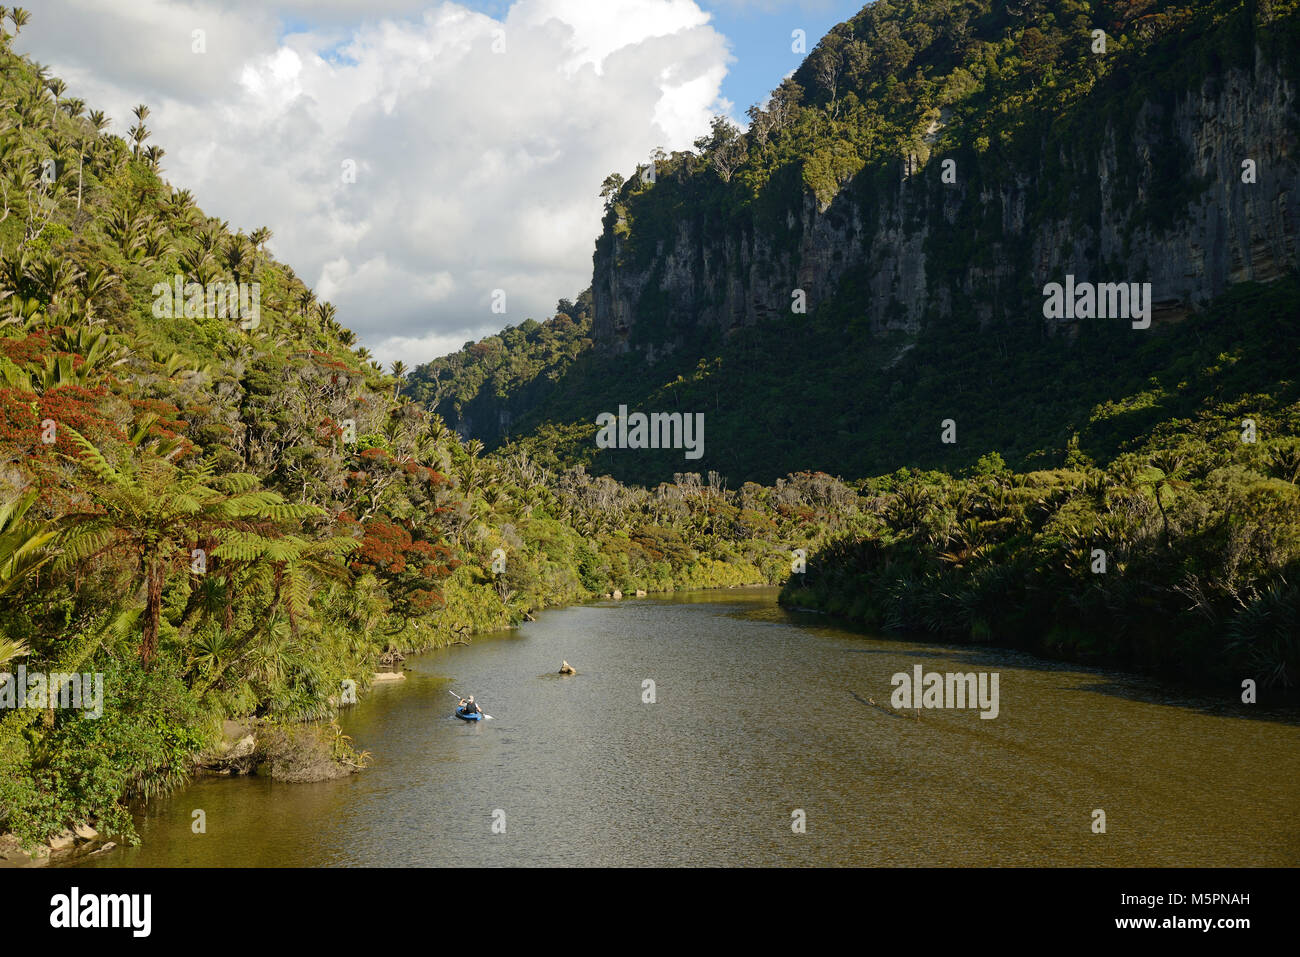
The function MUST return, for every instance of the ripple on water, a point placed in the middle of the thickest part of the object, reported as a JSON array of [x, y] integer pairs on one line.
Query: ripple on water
[[757, 712]]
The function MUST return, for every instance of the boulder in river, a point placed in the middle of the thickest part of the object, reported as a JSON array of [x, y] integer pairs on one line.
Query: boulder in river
[[640, 593], [566, 668], [617, 593]]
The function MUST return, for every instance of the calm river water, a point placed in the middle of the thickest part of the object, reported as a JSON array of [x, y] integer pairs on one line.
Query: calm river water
[[758, 712]]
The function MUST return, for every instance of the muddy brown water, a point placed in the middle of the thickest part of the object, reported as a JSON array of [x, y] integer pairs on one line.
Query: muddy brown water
[[758, 714]]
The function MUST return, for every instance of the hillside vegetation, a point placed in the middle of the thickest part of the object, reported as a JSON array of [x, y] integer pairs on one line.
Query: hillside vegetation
[[1111, 494], [1017, 97], [234, 516]]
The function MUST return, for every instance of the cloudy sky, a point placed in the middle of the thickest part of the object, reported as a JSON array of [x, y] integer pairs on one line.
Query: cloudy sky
[[479, 132]]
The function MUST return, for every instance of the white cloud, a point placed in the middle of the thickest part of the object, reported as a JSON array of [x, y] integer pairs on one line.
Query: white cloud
[[475, 170], [599, 29], [416, 349]]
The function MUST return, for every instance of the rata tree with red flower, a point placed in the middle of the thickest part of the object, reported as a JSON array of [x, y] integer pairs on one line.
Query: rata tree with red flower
[[409, 567], [46, 394]]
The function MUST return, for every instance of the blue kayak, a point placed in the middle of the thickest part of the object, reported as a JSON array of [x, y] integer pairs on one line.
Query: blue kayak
[[477, 716]]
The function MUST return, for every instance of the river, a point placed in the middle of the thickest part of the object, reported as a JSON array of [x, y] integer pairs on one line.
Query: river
[[758, 714]]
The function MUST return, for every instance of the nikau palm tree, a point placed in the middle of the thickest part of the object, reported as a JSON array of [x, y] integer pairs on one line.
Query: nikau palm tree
[[19, 18], [399, 373], [259, 238], [58, 88], [139, 132]]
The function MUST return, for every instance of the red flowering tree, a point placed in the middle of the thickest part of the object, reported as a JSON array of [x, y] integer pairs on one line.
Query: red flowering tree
[[409, 567]]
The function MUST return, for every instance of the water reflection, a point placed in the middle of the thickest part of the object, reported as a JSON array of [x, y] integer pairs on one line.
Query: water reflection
[[757, 712]]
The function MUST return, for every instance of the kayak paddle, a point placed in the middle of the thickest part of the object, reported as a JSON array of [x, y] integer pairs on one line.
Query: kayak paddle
[[486, 716]]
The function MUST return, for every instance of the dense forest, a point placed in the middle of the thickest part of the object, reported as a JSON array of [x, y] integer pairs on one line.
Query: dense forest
[[923, 297], [484, 385], [212, 495], [229, 514], [1081, 489]]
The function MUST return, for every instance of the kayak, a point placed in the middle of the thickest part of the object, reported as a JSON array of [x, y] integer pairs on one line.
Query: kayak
[[460, 713]]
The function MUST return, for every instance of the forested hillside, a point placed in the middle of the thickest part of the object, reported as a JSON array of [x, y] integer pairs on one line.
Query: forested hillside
[[1107, 489], [914, 186], [485, 385], [227, 510], [212, 497]]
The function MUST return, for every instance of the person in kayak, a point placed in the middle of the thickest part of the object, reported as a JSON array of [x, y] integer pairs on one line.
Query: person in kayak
[[468, 706]]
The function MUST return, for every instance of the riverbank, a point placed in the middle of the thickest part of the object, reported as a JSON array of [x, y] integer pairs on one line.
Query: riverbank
[[585, 771], [1121, 566], [311, 751]]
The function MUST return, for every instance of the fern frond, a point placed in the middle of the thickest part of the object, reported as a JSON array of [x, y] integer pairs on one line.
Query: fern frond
[[93, 459]]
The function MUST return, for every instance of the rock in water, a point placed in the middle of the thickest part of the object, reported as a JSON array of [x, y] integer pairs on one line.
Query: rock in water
[[566, 668]]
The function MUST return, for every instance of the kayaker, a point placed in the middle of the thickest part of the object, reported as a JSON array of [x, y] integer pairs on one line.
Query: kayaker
[[468, 706]]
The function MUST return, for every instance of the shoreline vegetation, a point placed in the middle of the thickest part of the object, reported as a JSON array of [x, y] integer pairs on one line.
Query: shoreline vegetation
[[237, 525]]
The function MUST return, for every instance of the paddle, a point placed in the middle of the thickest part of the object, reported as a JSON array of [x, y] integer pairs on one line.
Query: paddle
[[486, 717]]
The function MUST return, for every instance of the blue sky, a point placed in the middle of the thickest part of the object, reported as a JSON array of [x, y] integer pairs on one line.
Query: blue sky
[[760, 41]]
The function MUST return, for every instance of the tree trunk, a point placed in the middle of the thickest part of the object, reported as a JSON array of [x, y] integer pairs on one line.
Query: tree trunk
[[228, 619], [152, 613], [1163, 517]]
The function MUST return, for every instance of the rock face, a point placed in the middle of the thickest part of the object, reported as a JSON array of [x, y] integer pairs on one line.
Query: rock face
[[919, 249], [11, 851], [236, 755], [235, 752], [66, 845]]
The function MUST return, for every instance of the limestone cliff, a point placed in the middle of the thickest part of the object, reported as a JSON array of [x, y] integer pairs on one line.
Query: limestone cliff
[[1158, 197]]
